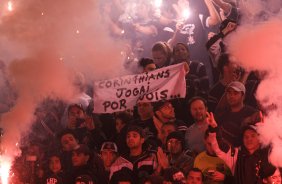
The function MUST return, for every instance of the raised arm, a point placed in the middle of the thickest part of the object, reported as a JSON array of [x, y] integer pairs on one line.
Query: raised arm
[[230, 157], [214, 18]]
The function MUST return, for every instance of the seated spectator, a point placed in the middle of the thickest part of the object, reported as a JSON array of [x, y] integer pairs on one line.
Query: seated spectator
[[214, 169], [194, 135], [195, 176]]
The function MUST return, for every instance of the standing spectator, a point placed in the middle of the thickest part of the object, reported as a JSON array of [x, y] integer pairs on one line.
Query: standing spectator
[[82, 123], [176, 154], [248, 162], [69, 143], [55, 172], [147, 64], [122, 120], [229, 72], [236, 115], [115, 164], [166, 129], [197, 80], [82, 166], [161, 54], [214, 169], [194, 135], [144, 162], [163, 113]]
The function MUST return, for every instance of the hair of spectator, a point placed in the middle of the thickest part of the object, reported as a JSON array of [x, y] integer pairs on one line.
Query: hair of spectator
[[194, 169], [193, 99], [164, 48], [185, 45]]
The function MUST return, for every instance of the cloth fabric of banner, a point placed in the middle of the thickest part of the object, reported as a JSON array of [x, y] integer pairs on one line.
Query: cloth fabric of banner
[[123, 93]]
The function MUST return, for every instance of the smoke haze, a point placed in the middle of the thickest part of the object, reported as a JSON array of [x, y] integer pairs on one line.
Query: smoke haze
[[43, 44], [257, 46]]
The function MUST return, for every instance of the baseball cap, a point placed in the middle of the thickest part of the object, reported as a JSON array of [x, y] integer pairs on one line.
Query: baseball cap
[[109, 146], [237, 86]]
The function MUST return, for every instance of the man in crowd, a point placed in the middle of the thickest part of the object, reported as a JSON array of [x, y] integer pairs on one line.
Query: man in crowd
[[194, 135], [237, 114], [215, 170], [144, 162]]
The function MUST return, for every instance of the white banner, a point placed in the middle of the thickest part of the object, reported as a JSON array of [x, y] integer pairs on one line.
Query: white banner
[[123, 93]]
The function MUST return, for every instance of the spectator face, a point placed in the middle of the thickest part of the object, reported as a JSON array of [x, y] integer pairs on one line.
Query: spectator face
[[274, 179], [119, 125], [251, 140], [55, 164], [134, 140], [73, 114], [198, 110], [108, 157], [174, 146], [79, 159], [234, 98], [167, 111], [150, 67], [180, 54], [145, 110], [194, 178], [159, 58], [68, 142]]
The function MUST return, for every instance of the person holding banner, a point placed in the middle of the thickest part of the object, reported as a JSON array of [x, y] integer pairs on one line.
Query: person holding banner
[[147, 64], [197, 80]]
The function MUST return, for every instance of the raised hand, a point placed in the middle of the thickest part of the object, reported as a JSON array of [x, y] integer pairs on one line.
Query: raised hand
[[162, 158], [210, 120]]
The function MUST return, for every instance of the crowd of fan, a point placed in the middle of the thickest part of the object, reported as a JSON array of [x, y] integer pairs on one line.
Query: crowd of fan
[[207, 137]]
